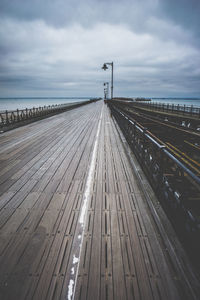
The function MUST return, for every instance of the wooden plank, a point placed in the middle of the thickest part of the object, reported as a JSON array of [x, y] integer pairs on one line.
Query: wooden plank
[[43, 182], [49, 262], [94, 278]]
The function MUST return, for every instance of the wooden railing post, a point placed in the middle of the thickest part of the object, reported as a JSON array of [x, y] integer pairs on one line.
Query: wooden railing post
[[26, 113], [7, 119], [18, 115]]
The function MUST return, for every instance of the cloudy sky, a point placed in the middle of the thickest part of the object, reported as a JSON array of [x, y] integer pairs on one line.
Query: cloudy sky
[[57, 47]]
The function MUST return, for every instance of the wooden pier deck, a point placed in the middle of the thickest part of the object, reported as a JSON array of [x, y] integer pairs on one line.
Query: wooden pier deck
[[74, 223]]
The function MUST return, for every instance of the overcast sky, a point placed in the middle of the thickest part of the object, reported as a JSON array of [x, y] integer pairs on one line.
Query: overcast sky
[[57, 47]]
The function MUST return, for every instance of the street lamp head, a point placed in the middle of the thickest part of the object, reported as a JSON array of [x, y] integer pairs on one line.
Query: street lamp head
[[104, 67]]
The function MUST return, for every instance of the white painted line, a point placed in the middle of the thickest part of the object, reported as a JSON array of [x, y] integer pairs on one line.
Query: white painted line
[[81, 222]]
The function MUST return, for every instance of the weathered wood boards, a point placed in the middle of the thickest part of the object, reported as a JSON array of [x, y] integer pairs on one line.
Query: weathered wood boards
[[44, 167]]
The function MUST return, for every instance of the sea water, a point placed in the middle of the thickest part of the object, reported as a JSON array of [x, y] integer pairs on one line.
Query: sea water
[[22, 103]]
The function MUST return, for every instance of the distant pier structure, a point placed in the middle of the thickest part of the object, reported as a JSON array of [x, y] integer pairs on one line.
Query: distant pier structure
[[100, 205]]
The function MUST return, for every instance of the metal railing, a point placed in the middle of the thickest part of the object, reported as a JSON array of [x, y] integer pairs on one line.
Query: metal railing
[[175, 184], [8, 118], [173, 108]]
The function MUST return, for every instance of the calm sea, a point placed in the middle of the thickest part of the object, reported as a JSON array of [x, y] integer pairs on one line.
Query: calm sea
[[21, 103]]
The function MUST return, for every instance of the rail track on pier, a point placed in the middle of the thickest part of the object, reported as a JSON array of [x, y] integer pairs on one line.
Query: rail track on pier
[[183, 142]]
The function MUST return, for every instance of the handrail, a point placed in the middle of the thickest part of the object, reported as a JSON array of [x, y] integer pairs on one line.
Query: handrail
[[8, 118], [163, 148]]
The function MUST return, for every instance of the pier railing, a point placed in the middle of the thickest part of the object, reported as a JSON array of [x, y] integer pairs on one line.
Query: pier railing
[[175, 184], [166, 107], [8, 118]]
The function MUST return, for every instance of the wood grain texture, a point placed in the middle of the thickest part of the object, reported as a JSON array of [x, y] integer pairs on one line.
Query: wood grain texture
[[43, 174]]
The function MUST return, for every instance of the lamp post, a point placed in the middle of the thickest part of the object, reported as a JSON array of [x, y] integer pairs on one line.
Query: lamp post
[[105, 94], [106, 90], [105, 68]]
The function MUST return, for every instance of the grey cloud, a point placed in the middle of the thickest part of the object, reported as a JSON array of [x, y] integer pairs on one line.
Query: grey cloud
[[141, 16], [183, 12], [57, 47], [57, 12], [61, 13], [88, 12]]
